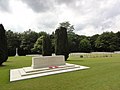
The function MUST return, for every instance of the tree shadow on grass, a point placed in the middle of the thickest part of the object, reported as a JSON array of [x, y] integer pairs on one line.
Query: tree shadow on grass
[[8, 61], [76, 60], [2, 65]]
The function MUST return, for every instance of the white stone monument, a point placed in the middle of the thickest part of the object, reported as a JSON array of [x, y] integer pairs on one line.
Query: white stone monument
[[42, 66], [46, 61], [16, 52]]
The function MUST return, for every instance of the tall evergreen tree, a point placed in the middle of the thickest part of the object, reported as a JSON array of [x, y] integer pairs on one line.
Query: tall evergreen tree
[[3, 45], [61, 43], [46, 46]]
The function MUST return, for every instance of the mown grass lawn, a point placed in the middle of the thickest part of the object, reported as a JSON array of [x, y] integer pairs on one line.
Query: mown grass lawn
[[104, 74]]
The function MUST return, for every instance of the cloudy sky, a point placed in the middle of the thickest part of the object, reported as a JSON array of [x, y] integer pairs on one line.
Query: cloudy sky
[[89, 17]]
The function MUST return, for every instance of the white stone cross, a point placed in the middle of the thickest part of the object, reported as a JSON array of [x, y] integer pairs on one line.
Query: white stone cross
[[16, 52]]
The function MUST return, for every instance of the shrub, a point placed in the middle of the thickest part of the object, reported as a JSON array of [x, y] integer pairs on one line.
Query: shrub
[[81, 56]]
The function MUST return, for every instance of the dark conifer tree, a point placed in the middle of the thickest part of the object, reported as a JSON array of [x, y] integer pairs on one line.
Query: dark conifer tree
[[3, 45], [46, 46], [61, 42]]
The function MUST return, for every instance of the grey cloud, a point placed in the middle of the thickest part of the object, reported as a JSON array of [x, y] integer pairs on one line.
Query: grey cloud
[[79, 27], [92, 8], [65, 1], [69, 3], [95, 15], [48, 24], [39, 5], [113, 11], [4, 5], [101, 15]]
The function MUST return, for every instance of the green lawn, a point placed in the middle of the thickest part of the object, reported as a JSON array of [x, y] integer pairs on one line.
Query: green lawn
[[104, 74]]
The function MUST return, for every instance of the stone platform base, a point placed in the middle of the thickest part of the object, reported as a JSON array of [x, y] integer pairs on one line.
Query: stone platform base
[[29, 72]]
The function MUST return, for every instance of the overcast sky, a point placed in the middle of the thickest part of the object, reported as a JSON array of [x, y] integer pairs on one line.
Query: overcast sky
[[89, 17]]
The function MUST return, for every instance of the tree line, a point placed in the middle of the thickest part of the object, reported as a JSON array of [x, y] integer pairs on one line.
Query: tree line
[[31, 42], [61, 43]]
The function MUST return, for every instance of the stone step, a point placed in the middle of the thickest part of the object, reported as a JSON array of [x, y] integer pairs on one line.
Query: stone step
[[30, 69], [23, 73], [16, 74]]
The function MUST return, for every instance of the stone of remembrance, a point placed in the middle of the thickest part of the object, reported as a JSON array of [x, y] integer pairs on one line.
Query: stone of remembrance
[[42, 66]]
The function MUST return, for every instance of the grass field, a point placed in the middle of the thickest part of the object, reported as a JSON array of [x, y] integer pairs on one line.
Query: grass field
[[104, 74]]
